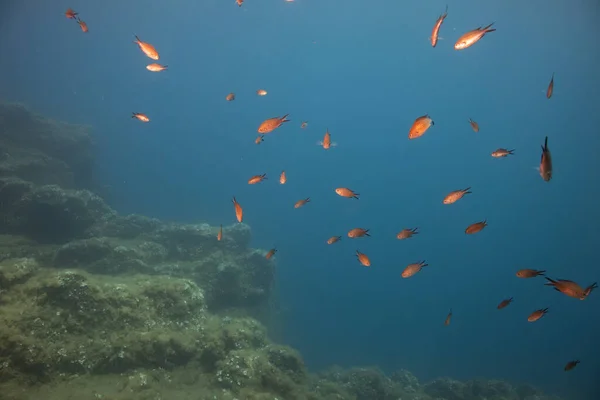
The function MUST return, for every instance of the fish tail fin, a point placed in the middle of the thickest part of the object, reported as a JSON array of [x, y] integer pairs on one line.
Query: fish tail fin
[[284, 118], [487, 28], [467, 190], [356, 195], [511, 151], [137, 39]]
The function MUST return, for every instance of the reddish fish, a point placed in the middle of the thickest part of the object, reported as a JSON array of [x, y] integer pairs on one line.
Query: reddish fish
[[363, 259], [220, 234], [436, 28], [147, 49], [269, 125], [239, 213], [420, 126], [537, 314], [70, 13], [550, 87], [504, 303], [546, 162], [407, 233], [472, 37], [448, 318], [474, 125], [476, 227], [141, 117]]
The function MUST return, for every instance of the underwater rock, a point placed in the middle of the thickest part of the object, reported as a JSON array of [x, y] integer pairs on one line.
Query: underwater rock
[[49, 214], [125, 227], [489, 389], [446, 388], [44, 151], [110, 255]]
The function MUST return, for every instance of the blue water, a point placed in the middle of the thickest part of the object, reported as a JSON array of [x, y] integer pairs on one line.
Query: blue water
[[369, 74]]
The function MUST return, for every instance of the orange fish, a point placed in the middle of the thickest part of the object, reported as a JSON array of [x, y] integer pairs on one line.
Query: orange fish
[[504, 303], [156, 67], [476, 227], [239, 213], [282, 178], [239, 2], [334, 239], [420, 126], [270, 254], [141, 117], [259, 139], [220, 234], [537, 314], [70, 13], [571, 364], [570, 288], [261, 92], [500, 153], [269, 125], [412, 269], [358, 232], [448, 318], [147, 49], [436, 28], [529, 273], [474, 125], [230, 97], [256, 179], [546, 162], [304, 124], [472, 37], [326, 142], [550, 87], [82, 25], [302, 202], [363, 259], [456, 195], [407, 233], [345, 192]]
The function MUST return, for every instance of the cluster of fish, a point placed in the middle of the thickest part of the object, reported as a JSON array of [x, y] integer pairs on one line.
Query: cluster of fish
[[417, 129], [70, 14]]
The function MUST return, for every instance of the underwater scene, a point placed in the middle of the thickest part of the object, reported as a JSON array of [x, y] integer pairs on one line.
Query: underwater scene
[[299, 200]]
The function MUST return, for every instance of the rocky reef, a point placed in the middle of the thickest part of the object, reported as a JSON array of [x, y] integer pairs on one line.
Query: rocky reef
[[96, 305]]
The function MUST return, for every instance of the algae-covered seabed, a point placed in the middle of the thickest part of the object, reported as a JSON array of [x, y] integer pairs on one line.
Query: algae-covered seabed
[[95, 305]]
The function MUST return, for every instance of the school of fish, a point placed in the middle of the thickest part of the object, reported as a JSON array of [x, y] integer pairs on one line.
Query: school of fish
[[418, 128]]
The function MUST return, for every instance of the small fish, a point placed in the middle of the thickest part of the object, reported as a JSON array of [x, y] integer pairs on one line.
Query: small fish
[[261, 92], [220, 234], [448, 318], [147, 49], [436, 28], [304, 124], [420, 126], [358, 232], [345, 192], [472, 37], [302, 202], [546, 162], [326, 142], [456, 195], [282, 178], [269, 125], [537, 314], [504, 303], [239, 213], [474, 125], [141, 117], [407, 233], [334, 239], [500, 153], [270, 254], [363, 259], [230, 97], [239, 2], [82, 25], [156, 67], [571, 364], [412, 269], [550, 87], [259, 139], [256, 179], [569, 288], [476, 227], [529, 273], [70, 13]]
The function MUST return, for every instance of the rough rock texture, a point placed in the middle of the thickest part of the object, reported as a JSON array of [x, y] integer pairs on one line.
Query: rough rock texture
[[95, 305]]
